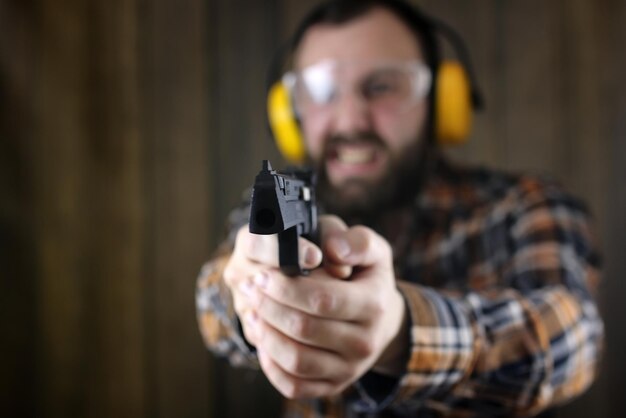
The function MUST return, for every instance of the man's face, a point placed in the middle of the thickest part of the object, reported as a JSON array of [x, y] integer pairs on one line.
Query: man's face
[[359, 145]]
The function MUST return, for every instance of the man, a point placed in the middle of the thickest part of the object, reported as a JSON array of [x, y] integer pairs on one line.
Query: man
[[435, 290]]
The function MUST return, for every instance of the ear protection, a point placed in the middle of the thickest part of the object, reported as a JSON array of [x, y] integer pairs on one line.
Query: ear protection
[[455, 96]]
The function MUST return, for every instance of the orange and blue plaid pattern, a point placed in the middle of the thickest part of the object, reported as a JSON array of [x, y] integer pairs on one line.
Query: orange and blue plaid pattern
[[499, 279]]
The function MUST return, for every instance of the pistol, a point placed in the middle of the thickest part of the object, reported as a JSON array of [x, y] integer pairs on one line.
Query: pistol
[[284, 204]]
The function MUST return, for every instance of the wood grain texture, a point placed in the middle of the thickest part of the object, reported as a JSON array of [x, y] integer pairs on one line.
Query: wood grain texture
[[129, 129], [88, 211], [177, 192]]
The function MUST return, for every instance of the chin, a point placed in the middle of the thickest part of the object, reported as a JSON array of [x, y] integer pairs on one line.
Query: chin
[[355, 198], [358, 190]]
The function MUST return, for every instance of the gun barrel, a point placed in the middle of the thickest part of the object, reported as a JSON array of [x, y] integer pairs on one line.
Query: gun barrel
[[284, 204]]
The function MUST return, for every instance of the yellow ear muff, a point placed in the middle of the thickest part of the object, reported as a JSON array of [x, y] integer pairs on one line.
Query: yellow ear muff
[[453, 107], [284, 125]]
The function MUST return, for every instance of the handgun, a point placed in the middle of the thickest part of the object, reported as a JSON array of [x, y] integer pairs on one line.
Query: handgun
[[283, 203]]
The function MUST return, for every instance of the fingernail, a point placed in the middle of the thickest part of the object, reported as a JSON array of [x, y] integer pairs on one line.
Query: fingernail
[[310, 257], [261, 279], [341, 247]]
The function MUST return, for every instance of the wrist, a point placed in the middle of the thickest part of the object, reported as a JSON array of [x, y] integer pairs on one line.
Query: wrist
[[394, 357]]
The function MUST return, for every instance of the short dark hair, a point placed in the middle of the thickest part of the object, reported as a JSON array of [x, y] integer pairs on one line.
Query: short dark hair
[[338, 12]]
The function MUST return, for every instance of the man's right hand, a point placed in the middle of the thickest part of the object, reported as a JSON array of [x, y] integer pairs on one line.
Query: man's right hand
[[253, 255], [317, 334]]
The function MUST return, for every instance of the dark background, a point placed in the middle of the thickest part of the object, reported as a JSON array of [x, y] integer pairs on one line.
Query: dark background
[[128, 128]]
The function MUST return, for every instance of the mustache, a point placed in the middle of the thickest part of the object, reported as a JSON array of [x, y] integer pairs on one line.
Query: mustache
[[366, 138]]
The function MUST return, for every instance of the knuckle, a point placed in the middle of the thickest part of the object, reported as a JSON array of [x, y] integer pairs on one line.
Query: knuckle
[[322, 302], [229, 274], [277, 288], [376, 307], [292, 389], [297, 363], [300, 325], [363, 347]]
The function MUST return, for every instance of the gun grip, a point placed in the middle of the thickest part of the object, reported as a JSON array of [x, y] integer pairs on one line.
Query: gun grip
[[288, 252]]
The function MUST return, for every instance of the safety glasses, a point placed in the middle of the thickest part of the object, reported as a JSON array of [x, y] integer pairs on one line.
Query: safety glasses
[[382, 86]]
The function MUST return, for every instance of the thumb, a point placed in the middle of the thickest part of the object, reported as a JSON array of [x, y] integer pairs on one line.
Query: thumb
[[361, 246], [332, 227]]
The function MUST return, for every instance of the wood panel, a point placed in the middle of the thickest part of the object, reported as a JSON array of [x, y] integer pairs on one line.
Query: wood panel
[[105, 204], [478, 26], [610, 16], [177, 167], [243, 39], [88, 211], [18, 318], [128, 129], [242, 52]]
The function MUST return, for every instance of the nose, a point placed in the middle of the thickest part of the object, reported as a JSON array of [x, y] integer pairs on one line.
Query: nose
[[351, 114]]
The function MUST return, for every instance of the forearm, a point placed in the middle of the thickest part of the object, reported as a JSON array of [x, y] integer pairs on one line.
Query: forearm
[[501, 351], [217, 319], [393, 360]]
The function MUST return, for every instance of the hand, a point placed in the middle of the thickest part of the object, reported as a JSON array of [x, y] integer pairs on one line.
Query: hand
[[252, 256], [316, 335]]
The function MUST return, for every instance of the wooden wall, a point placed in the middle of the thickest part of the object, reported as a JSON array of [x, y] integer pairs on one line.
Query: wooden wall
[[128, 128]]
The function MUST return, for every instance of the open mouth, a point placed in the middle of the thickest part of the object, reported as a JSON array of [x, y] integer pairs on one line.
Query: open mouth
[[355, 155], [354, 160]]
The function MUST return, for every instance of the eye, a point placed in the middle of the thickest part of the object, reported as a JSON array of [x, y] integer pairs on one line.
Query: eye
[[319, 83], [381, 84]]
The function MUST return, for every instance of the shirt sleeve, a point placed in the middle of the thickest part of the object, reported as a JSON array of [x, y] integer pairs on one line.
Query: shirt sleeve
[[217, 320], [526, 342]]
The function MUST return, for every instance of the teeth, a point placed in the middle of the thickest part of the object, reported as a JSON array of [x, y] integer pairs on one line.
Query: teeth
[[355, 156]]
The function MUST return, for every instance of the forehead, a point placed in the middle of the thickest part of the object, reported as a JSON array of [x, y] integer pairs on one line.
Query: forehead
[[376, 35]]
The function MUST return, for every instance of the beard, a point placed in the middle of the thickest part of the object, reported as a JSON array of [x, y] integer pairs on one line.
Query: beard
[[362, 200]]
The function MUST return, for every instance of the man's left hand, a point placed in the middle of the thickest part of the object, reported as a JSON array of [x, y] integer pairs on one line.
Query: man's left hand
[[317, 334]]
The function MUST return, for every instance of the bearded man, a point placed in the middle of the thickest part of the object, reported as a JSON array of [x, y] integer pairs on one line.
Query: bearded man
[[435, 289]]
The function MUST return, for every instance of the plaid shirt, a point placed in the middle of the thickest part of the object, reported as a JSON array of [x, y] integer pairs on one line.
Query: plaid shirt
[[498, 273]]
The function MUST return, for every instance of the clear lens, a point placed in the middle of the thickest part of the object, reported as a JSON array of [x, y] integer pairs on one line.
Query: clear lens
[[389, 87]]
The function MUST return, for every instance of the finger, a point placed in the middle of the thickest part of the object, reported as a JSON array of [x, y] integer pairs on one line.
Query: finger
[[361, 246], [237, 277], [263, 249], [250, 326], [293, 387], [330, 226], [243, 304], [347, 339], [242, 295], [319, 295], [298, 359], [310, 255]]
